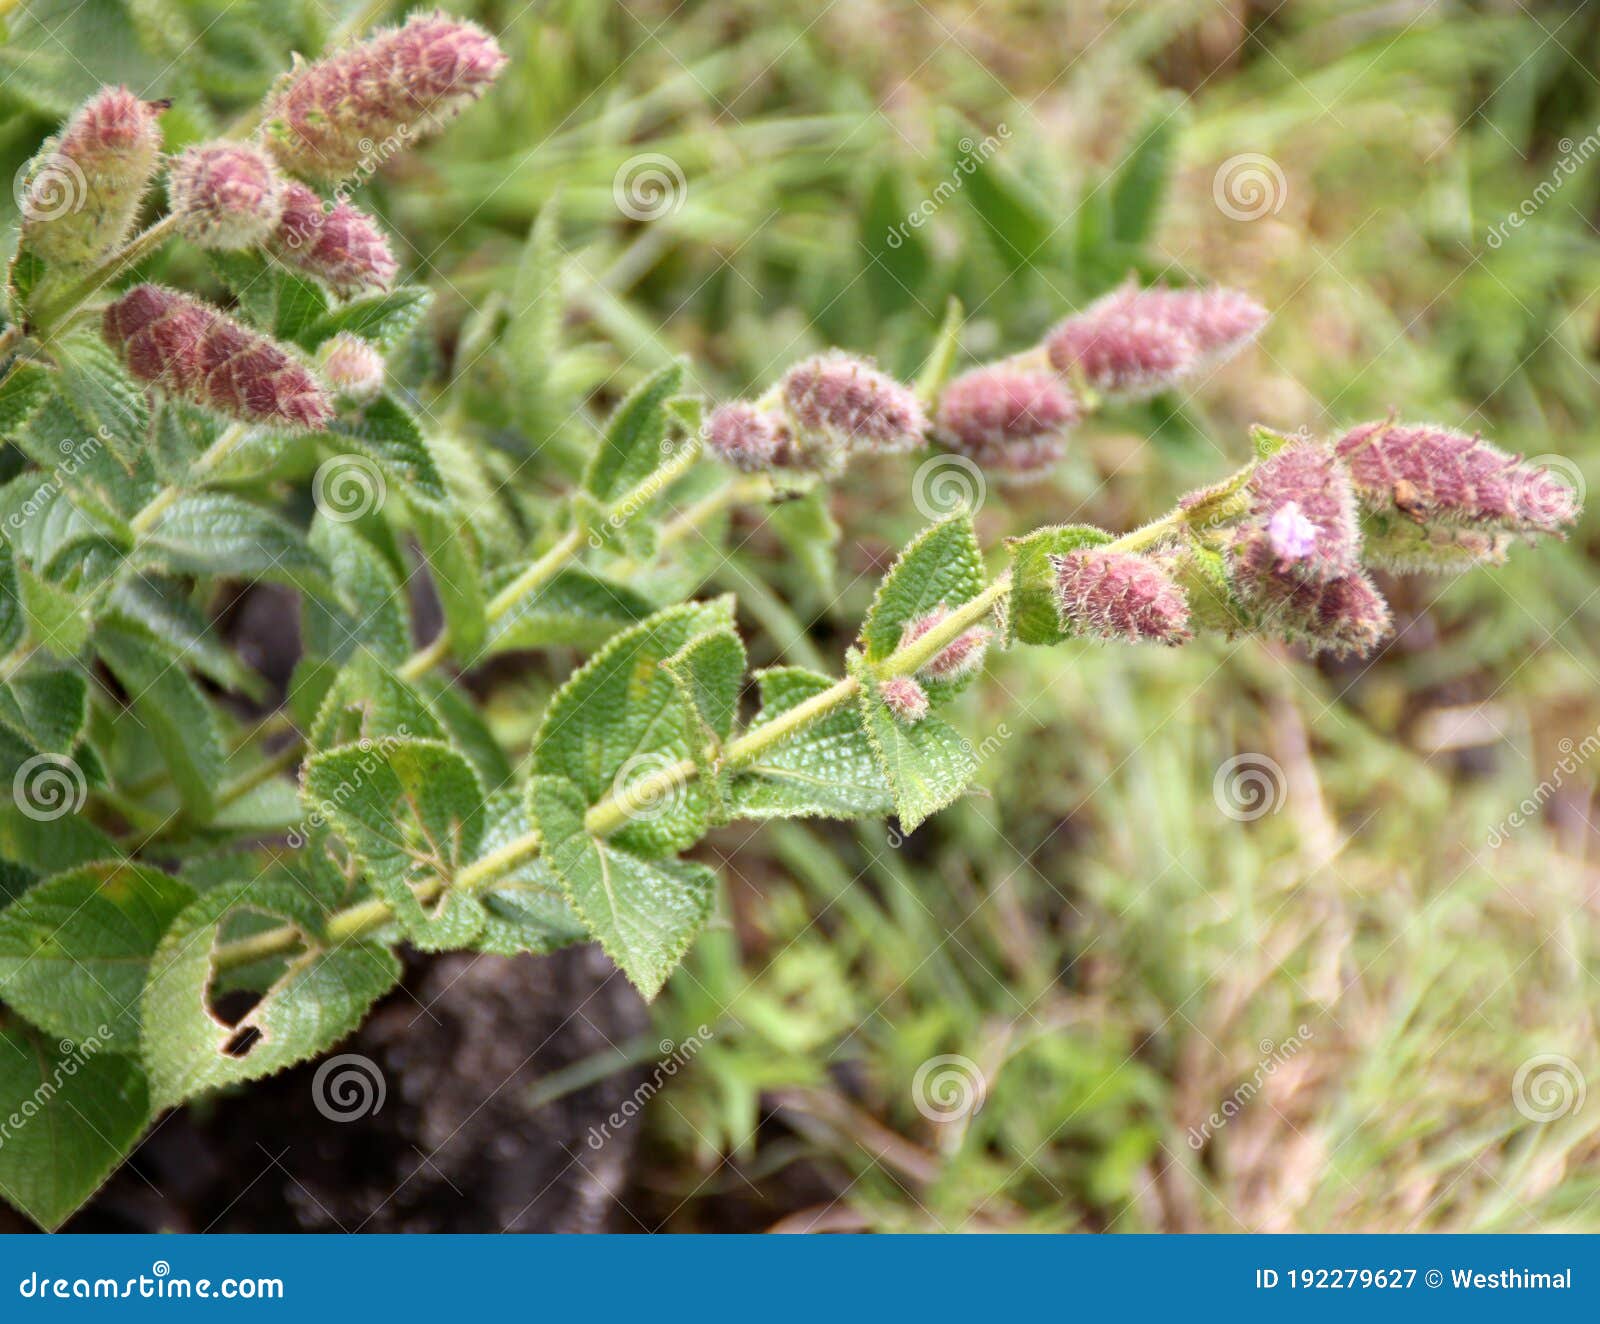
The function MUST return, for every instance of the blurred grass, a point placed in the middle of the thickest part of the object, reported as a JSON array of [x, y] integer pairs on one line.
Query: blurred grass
[[1109, 948]]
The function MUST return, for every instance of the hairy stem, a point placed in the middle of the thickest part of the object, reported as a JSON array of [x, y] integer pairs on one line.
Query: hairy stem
[[49, 317]]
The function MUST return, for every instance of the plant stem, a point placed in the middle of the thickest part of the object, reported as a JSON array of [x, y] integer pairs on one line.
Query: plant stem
[[227, 440]]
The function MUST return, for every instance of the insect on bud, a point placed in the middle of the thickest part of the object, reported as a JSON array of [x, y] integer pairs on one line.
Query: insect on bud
[[748, 438], [226, 195], [84, 188], [352, 366], [194, 352], [903, 697], [1430, 474], [325, 119], [1006, 418], [340, 246], [958, 659], [840, 402], [1119, 596]]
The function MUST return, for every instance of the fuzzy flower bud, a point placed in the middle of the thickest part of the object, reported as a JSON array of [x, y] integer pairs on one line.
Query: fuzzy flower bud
[[903, 697], [1132, 343], [352, 366], [326, 120], [1119, 596], [227, 195], [1344, 615], [1302, 522], [958, 659], [1429, 474], [748, 438], [841, 402], [84, 187], [1007, 418], [198, 354], [340, 246]]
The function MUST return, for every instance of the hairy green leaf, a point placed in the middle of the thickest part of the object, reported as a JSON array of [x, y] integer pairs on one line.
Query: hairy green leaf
[[634, 445], [1032, 617], [928, 764]]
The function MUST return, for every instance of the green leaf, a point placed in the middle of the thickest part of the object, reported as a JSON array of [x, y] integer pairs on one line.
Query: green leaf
[[387, 433], [466, 728], [634, 444], [928, 764], [455, 566], [52, 845], [826, 770], [23, 390], [164, 609], [367, 702], [321, 996], [109, 403], [620, 718], [300, 304], [527, 909], [709, 673], [413, 812], [384, 319], [48, 709], [56, 618], [942, 356], [170, 707], [215, 534], [1021, 223], [368, 608], [531, 341], [644, 913], [78, 1111], [810, 535], [1140, 185], [574, 608], [942, 567], [1032, 616], [74, 950], [13, 613]]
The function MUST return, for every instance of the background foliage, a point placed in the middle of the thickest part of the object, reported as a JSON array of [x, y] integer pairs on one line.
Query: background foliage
[[1115, 953]]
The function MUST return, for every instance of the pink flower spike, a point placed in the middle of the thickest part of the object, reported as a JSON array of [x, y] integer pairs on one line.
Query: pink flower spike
[[199, 354], [1119, 596], [1321, 537], [1342, 616], [226, 195], [844, 402], [82, 191], [1006, 418], [903, 697], [352, 366], [1220, 321], [1122, 350], [351, 111], [1430, 474], [745, 437], [960, 658], [340, 246]]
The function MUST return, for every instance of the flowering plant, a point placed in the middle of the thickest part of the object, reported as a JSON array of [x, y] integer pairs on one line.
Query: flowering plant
[[157, 857]]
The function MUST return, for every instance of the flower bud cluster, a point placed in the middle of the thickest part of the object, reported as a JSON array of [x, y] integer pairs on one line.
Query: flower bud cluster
[[226, 196]]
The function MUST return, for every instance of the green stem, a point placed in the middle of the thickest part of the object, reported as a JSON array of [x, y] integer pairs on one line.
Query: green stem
[[227, 441]]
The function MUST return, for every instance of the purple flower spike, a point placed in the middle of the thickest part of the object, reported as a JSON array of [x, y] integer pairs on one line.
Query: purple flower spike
[[1008, 419], [227, 195], [748, 438], [845, 403], [1302, 521]]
